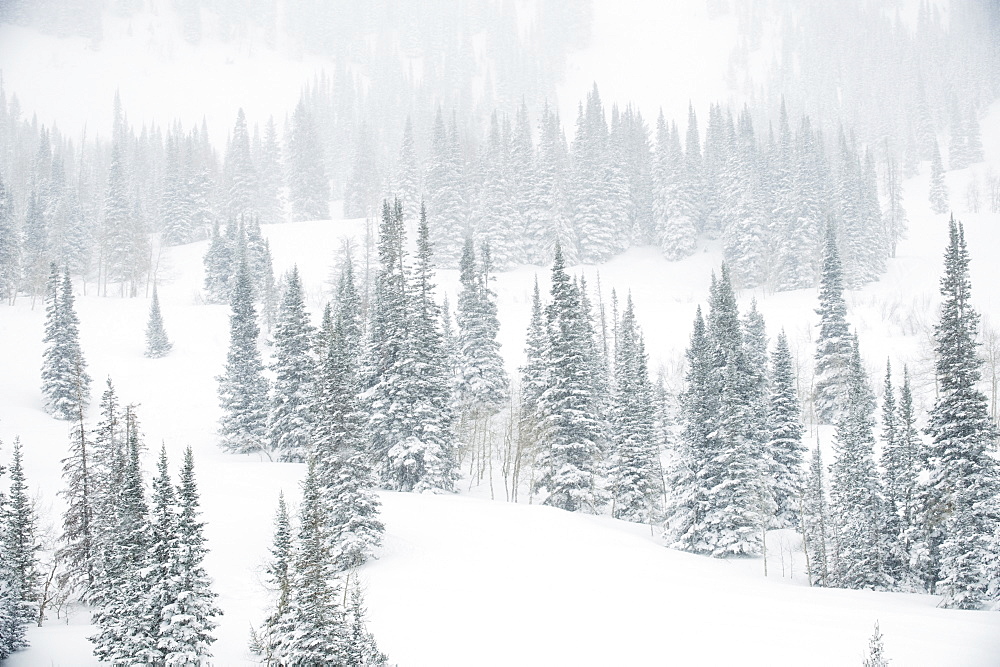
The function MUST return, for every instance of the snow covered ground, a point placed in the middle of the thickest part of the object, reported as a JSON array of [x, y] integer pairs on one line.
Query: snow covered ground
[[463, 580]]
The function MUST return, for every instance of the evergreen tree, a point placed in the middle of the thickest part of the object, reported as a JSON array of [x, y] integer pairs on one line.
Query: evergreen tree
[[362, 651], [961, 513], [157, 343], [446, 202], [125, 629], [308, 184], [65, 383], [266, 641], [344, 474], [240, 172], [186, 622], [876, 651], [77, 552], [481, 385], [900, 466], [817, 524], [270, 196], [291, 417], [673, 209], [855, 491], [784, 451], [634, 471], [364, 182], [12, 617], [833, 344], [243, 387], [407, 181], [9, 247], [218, 264], [19, 544], [939, 189], [568, 460]]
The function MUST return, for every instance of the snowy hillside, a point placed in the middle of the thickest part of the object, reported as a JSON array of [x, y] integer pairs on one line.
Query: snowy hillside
[[467, 578]]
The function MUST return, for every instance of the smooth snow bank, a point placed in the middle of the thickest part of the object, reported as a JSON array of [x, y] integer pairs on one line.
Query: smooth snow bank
[[463, 581]]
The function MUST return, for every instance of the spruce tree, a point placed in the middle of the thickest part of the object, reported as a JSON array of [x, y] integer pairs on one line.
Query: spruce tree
[[19, 544], [243, 387], [9, 247], [157, 343], [634, 471], [481, 385], [784, 451], [855, 489], [939, 189], [361, 650], [817, 524], [308, 183], [833, 343], [12, 618], [186, 623], [568, 457], [78, 550], [961, 512], [65, 382], [265, 642], [344, 473], [240, 172], [900, 467], [291, 417]]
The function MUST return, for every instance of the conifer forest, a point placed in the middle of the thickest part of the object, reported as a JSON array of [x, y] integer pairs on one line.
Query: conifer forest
[[499, 332]]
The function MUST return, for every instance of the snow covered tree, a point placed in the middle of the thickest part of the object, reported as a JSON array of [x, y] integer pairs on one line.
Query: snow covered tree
[[265, 641], [855, 490], [939, 189], [78, 550], [900, 463], [308, 184], [364, 182], [876, 650], [243, 387], [344, 473], [9, 247], [817, 524], [240, 172], [12, 616], [65, 382], [290, 420], [361, 650], [271, 180], [784, 451], [157, 343], [482, 384], [570, 447], [673, 209], [633, 469], [833, 344], [19, 544], [961, 512], [408, 393], [446, 200], [186, 623]]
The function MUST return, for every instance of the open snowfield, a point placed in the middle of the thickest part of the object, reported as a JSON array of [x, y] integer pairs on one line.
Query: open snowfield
[[464, 580]]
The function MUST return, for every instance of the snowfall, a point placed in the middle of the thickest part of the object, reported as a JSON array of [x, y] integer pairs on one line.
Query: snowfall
[[470, 579]]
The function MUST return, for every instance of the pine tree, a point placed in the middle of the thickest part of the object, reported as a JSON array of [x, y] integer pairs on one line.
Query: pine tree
[[446, 202], [243, 387], [817, 524], [361, 650], [634, 471], [19, 544], [876, 650], [784, 451], [77, 552], [290, 420], [308, 184], [568, 460], [855, 491], [118, 594], [265, 642], [344, 474], [9, 245], [240, 172], [673, 209], [961, 513], [481, 385], [270, 196], [12, 617], [833, 344], [312, 630], [65, 383], [900, 466], [939, 189], [157, 343], [186, 622], [407, 181]]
